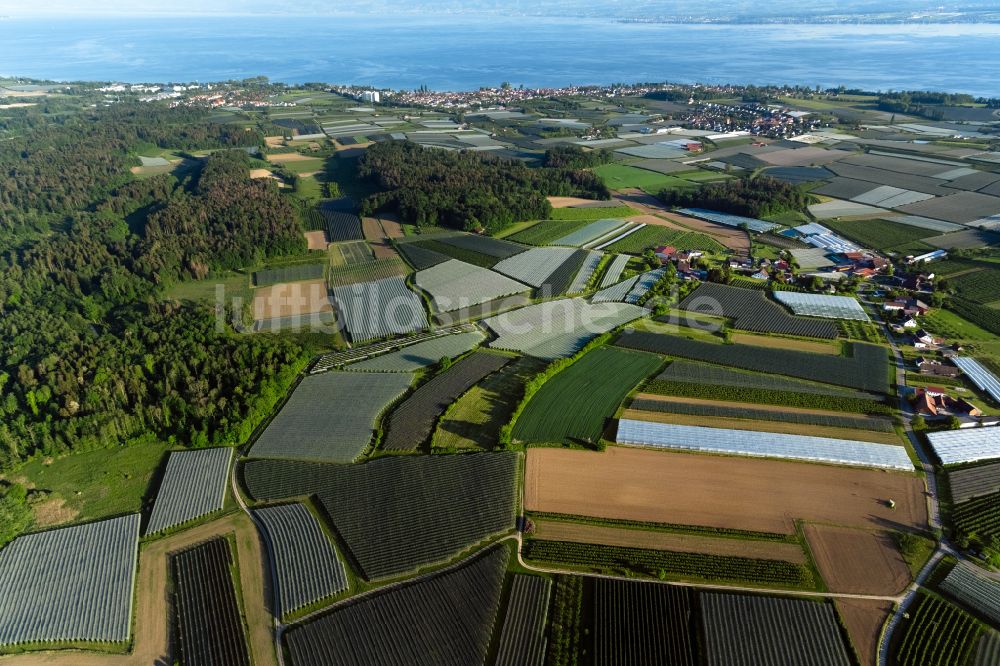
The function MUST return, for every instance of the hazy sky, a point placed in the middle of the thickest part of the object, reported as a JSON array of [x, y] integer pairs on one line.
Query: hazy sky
[[607, 8]]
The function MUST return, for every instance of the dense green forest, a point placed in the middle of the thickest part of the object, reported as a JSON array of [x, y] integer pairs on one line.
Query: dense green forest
[[90, 355], [574, 157], [751, 196], [465, 190]]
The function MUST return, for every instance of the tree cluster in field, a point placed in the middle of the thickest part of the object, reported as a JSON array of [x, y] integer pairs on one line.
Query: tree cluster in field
[[575, 157], [90, 355], [750, 196], [465, 190]]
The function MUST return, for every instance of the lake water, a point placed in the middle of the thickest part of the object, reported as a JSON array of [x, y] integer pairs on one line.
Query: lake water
[[461, 53]]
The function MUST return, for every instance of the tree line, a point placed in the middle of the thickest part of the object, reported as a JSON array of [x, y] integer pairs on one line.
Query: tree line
[[465, 190], [750, 196], [91, 355]]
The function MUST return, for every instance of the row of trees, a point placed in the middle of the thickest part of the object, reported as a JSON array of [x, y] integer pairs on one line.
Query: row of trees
[[90, 353], [465, 190], [750, 196]]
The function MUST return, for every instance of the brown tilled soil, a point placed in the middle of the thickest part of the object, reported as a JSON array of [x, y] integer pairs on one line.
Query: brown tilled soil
[[857, 561], [392, 227], [292, 298], [718, 491], [281, 158], [316, 240], [560, 530], [372, 229], [566, 202], [864, 619]]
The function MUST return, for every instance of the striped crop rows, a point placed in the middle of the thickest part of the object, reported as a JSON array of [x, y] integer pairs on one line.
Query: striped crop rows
[[975, 590], [936, 634], [305, 560], [399, 513], [70, 584], [866, 369], [652, 562], [411, 424], [743, 630], [701, 373], [194, 485], [445, 618], [379, 309], [209, 628], [752, 310], [973, 482], [522, 640], [640, 623], [980, 516]]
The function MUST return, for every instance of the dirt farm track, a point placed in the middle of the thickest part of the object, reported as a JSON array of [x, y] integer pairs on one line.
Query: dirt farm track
[[717, 491]]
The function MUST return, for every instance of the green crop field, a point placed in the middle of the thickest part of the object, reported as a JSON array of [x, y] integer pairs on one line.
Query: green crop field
[[950, 325], [622, 176], [574, 404], [652, 236], [591, 214], [878, 234], [547, 231], [936, 633]]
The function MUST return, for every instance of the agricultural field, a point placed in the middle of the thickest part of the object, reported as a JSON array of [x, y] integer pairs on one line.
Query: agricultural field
[[770, 631], [420, 258], [636, 624], [878, 234], [454, 284], [966, 584], [755, 412], [341, 226], [575, 403], [555, 329], [614, 271], [447, 617], [561, 279], [474, 419], [752, 310], [683, 488], [591, 262], [330, 416], [651, 236], [493, 247], [291, 299], [422, 354], [437, 245], [537, 265], [440, 505], [305, 561], [378, 309], [522, 638], [979, 516], [591, 213], [970, 482], [863, 619], [349, 253], [726, 441], [208, 622], [822, 305], [70, 585], [548, 231], [621, 177], [194, 485], [866, 369], [412, 422], [591, 232], [947, 324], [267, 277], [857, 561], [668, 564], [365, 271], [936, 634]]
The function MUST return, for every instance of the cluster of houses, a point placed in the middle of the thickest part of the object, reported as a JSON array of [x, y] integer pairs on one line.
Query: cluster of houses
[[684, 260], [757, 119]]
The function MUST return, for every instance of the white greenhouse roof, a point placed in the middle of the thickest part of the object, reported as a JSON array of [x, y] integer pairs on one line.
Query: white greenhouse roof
[[980, 376], [822, 305], [962, 446], [753, 224], [762, 444]]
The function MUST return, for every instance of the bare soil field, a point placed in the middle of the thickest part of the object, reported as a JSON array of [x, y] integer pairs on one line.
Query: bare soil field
[[274, 141], [566, 202], [316, 240], [857, 561], [787, 343], [372, 229], [718, 491], [261, 173], [559, 530], [281, 158], [863, 619], [391, 226], [656, 220], [290, 299], [764, 426], [152, 604]]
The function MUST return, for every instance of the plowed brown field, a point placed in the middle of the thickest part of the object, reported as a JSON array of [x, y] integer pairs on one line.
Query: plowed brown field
[[857, 561]]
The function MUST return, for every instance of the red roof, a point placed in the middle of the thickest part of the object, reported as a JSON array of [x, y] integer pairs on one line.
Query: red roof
[[666, 249]]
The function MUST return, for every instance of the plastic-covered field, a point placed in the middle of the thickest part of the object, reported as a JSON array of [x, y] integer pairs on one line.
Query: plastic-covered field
[[822, 305], [962, 446], [455, 284]]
